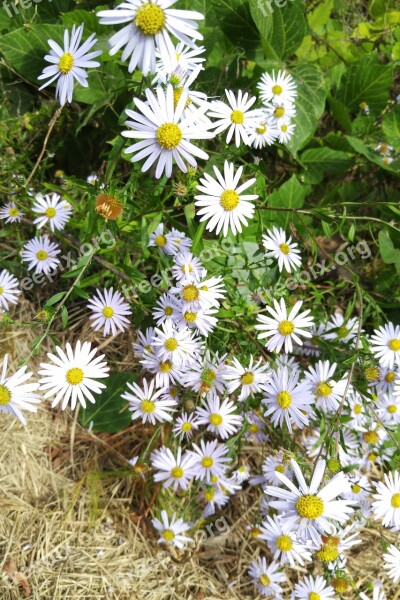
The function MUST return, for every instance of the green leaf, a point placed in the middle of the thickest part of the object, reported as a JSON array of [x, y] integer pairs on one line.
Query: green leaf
[[109, 412], [310, 104], [390, 255], [391, 127], [290, 195], [320, 15], [105, 83], [340, 113], [318, 161], [366, 80], [54, 299], [64, 316], [282, 28], [234, 19]]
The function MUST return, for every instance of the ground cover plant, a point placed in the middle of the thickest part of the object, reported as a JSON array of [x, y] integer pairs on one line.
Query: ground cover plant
[[217, 181]]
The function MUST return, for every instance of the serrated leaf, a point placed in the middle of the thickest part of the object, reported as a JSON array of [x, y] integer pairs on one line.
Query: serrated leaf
[[318, 161], [290, 195], [108, 413]]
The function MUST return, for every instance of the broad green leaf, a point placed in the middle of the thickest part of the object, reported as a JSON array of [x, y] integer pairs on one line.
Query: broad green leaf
[[340, 113], [109, 413], [366, 80], [310, 104], [290, 195], [318, 161], [105, 83], [234, 19], [391, 127], [390, 255], [320, 15]]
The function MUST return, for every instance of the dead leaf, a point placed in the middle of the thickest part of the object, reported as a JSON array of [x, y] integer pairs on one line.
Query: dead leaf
[[10, 569]]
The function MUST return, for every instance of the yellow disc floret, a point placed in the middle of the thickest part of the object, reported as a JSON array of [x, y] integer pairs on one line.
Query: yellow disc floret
[[176, 472], [150, 19], [190, 293], [286, 328], [168, 535], [169, 136], [207, 462], [74, 376], [41, 255], [284, 248], [50, 212], [216, 419], [229, 200], [66, 63], [284, 543], [284, 399], [309, 506], [237, 117], [148, 406], [394, 345], [108, 312], [324, 389], [5, 395], [247, 378], [395, 501], [171, 344]]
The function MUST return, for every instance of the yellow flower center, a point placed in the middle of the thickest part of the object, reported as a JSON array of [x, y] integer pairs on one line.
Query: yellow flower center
[[284, 128], [66, 63], [190, 293], [261, 129], [74, 376], [323, 389], [1, 290], [327, 553], [372, 457], [284, 543], [279, 112], [371, 437], [253, 428], [5, 395], [394, 345], [280, 468], [50, 212], [209, 494], [371, 374], [176, 472], [277, 90], [171, 344], [264, 579], [390, 377], [216, 419], [340, 584], [13, 212], [169, 136], [237, 117], [357, 408], [168, 311], [160, 240], [190, 317], [309, 506], [177, 96], [355, 488], [207, 462], [108, 312], [286, 328], [247, 378], [255, 532], [392, 409], [150, 19], [148, 406], [186, 427], [314, 596], [395, 501], [284, 399], [284, 248], [168, 535], [165, 367], [186, 268], [41, 255], [229, 200]]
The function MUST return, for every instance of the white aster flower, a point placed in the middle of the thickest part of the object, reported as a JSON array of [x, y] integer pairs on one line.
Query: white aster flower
[[202, 320], [185, 424], [220, 418], [166, 133], [206, 376], [372, 434], [285, 129], [255, 430], [277, 463], [173, 471], [177, 345], [385, 345], [328, 392], [358, 412], [180, 242], [183, 57], [392, 562], [52, 210], [280, 111], [145, 341], [11, 213], [360, 488], [167, 309], [197, 295], [344, 442], [388, 409], [248, 379], [15, 394], [215, 499], [160, 240], [281, 247], [72, 376], [9, 291], [148, 30], [311, 347], [186, 265], [388, 380], [282, 328], [377, 592], [165, 371], [283, 543], [346, 330], [109, 312], [267, 578], [171, 530], [387, 500], [69, 63], [338, 541], [235, 116], [313, 587], [242, 473], [41, 254], [146, 403], [211, 460], [307, 509], [287, 400], [262, 132], [222, 203], [280, 87]]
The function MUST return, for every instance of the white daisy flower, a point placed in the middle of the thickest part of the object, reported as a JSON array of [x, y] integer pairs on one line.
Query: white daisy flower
[[388, 380], [148, 30], [185, 425], [338, 541], [173, 471], [384, 148], [235, 116], [167, 309], [242, 473], [145, 341], [195, 100], [177, 345], [274, 464], [160, 240], [262, 132], [360, 488], [385, 345], [248, 379], [40, 254], [171, 393], [282, 542], [171, 530], [166, 133], [202, 320], [282, 328], [311, 347], [377, 592], [280, 111], [255, 429], [392, 562], [313, 587], [372, 434], [328, 392], [9, 291], [345, 330], [165, 371], [285, 129], [15, 394], [282, 248], [388, 409], [387, 500], [185, 265], [11, 213], [287, 400], [222, 203], [280, 87], [307, 509], [211, 459], [52, 210], [357, 410], [215, 499], [220, 418], [202, 294], [146, 403], [267, 578], [206, 376], [184, 58], [109, 312], [180, 241], [72, 376], [69, 63]]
